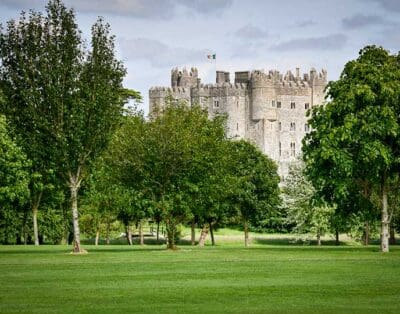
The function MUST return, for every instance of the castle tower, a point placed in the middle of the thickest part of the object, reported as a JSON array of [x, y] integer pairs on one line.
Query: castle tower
[[184, 78], [266, 108]]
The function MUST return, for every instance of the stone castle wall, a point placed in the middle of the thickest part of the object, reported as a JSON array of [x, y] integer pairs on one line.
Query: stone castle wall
[[267, 108]]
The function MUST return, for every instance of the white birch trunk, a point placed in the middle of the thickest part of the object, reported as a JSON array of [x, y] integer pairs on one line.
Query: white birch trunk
[[96, 241], [74, 184], [35, 225], [385, 219], [35, 208]]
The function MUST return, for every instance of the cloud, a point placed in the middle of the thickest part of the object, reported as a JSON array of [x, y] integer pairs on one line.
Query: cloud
[[360, 20], [132, 8], [330, 42], [206, 6], [304, 23], [251, 32], [158, 53], [389, 5], [146, 9]]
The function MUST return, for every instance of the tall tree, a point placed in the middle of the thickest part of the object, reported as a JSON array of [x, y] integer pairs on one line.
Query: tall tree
[[254, 191], [66, 102], [356, 135]]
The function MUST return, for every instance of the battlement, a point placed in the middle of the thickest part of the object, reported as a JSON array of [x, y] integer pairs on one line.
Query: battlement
[[223, 86], [273, 77], [184, 78]]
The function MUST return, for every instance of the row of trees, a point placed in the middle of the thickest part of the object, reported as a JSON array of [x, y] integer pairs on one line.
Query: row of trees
[[180, 168], [61, 100], [62, 121]]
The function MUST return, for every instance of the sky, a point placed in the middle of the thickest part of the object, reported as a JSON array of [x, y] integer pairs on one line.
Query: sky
[[154, 36]]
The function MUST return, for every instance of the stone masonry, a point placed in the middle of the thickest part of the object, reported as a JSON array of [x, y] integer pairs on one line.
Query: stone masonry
[[269, 109]]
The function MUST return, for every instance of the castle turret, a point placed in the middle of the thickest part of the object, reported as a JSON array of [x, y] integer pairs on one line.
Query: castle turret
[[222, 77], [262, 92], [184, 78]]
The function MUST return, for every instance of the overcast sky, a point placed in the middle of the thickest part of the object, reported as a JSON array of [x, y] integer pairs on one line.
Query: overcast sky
[[154, 36]]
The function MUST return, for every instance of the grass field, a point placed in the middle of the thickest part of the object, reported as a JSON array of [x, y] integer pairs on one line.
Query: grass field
[[261, 279]]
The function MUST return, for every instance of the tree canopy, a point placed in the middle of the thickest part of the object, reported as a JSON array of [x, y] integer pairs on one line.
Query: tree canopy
[[355, 137], [64, 101]]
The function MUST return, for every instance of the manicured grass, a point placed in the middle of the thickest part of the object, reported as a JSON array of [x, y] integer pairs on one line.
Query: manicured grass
[[260, 279]]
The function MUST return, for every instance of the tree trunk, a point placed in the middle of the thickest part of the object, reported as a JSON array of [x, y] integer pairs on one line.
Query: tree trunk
[[212, 234], [24, 232], [193, 233], [35, 225], [318, 237], [246, 233], [128, 232], [141, 235], [35, 208], [203, 235], [385, 219], [392, 239], [74, 184], [170, 235], [108, 227], [158, 231], [96, 240], [337, 242], [366, 233]]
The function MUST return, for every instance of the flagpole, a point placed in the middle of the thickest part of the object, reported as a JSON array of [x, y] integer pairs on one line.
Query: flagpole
[[213, 58], [215, 70]]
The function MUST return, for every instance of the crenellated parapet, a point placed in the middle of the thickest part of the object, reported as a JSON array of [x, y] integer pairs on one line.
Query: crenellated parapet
[[220, 90], [184, 77], [274, 78]]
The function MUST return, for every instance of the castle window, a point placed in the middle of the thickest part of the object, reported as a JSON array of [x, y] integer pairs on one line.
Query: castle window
[[293, 149], [306, 105], [278, 104], [273, 103], [237, 104], [306, 127], [216, 103], [280, 149], [292, 126], [292, 105], [237, 126], [280, 126]]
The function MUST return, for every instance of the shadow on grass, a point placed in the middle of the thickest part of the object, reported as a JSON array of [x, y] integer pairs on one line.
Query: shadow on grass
[[290, 241]]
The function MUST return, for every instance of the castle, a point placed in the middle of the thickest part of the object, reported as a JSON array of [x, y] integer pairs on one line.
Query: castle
[[269, 109]]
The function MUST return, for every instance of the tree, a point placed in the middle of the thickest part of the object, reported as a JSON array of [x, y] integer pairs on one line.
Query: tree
[[14, 180], [303, 208], [64, 101], [254, 187], [166, 159], [356, 135]]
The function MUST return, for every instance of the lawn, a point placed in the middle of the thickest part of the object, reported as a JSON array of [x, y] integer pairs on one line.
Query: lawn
[[261, 279]]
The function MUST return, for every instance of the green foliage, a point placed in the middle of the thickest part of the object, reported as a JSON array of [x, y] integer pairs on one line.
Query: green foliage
[[170, 160], [64, 101], [354, 143], [14, 181], [255, 191], [304, 210]]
